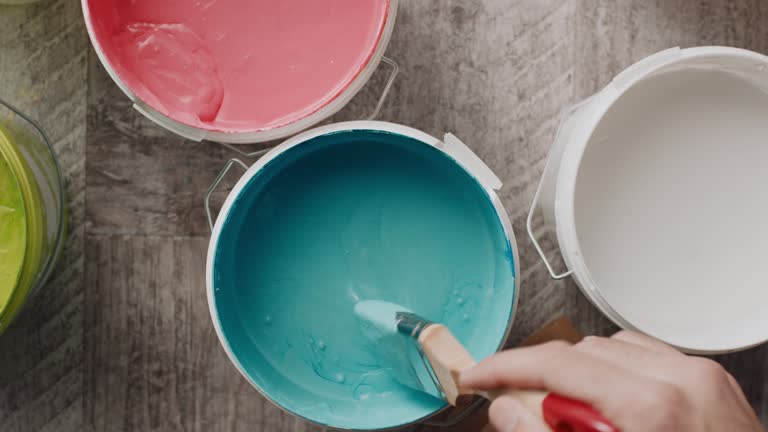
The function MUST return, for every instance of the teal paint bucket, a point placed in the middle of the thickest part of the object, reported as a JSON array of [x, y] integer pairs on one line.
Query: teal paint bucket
[[350, 212]]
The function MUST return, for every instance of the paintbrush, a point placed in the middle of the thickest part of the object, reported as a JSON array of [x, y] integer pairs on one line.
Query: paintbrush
[[427, 357]]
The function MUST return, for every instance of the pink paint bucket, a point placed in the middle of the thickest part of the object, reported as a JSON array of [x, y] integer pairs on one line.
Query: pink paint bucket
[[240, 71]]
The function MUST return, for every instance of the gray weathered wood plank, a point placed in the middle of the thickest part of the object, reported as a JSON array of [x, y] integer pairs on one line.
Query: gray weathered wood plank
[[43, 50], [142, 179], [153, 362]]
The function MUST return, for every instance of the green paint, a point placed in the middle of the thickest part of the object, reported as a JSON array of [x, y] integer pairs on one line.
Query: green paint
[[346, 217], [13, 233], [34, 225]]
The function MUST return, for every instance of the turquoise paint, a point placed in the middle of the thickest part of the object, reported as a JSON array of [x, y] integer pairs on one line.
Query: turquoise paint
[[346, 217], [398, 353]]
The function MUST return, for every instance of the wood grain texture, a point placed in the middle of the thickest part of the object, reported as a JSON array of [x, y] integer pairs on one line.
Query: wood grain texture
[[142, 180], [612, 35], [153, 362], [43, 50], [497, 73]]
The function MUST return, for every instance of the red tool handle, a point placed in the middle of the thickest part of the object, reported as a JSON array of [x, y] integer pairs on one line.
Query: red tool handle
[[563, 414]]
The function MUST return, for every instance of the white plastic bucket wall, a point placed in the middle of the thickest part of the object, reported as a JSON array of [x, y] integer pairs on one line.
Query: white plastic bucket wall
[[735, 321], [197, 134]]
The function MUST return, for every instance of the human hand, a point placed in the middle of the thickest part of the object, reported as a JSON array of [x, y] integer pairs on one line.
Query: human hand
[[636, 382]]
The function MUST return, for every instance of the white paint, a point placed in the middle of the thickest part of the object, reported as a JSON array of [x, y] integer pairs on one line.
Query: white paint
[[660, 199]]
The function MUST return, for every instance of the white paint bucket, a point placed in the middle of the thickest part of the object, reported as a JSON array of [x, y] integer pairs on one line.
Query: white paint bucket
[[657, 191]]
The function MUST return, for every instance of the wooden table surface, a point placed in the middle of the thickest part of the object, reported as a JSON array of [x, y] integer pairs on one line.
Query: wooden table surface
[[121, 340]]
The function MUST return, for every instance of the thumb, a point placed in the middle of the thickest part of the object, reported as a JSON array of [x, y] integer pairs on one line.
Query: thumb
[[508, 415]]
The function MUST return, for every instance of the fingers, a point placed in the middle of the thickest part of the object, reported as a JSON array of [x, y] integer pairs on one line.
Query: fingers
[[510, 368], [645, 342], [559, 368], [631, 379], [508, 415], [736, 388], [744, 404]]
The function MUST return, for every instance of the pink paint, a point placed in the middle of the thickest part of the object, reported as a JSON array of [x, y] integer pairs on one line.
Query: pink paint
[[237, 65]]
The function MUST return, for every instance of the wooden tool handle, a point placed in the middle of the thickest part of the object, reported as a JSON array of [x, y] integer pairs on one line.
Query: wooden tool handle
[[449, 358], [529, 399]]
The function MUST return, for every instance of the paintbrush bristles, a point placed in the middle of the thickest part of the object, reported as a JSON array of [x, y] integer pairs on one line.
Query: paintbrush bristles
[[448, 358]]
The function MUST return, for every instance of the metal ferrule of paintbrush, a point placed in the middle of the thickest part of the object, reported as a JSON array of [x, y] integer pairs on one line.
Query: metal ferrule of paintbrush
[[411, 324]]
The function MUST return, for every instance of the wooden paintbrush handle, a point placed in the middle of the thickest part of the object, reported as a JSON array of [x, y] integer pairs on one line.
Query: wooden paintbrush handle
[[529, 399], [560, 413], [449, 358]]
